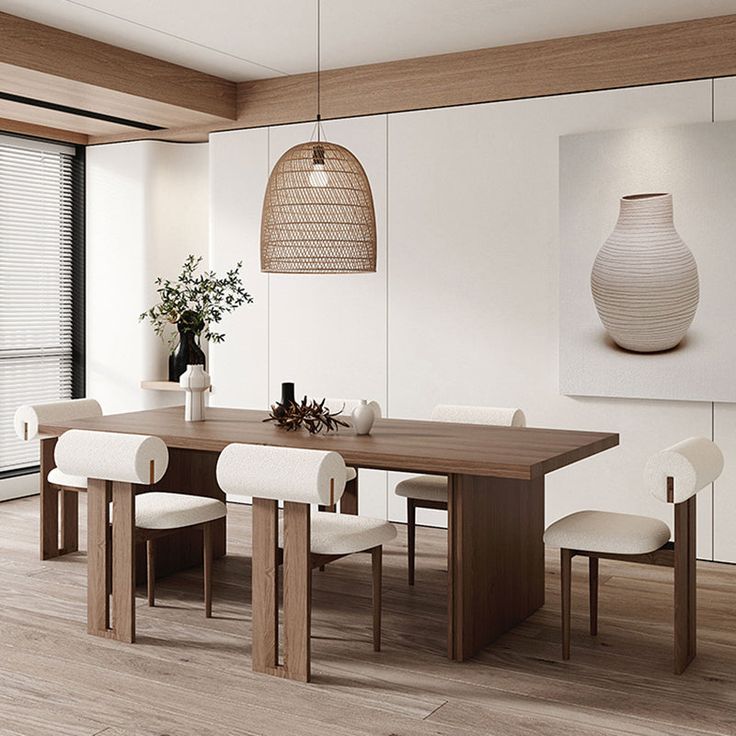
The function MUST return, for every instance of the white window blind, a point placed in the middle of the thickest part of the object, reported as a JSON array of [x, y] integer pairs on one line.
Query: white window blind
[[36, 229]]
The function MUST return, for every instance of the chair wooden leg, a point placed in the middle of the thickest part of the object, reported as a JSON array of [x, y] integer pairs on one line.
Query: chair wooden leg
[[151, 571], [377, 565], [208, 555], [123, 562], [593, 586], [265, 585], [297, 592], [411, 528], [685, 585], [49, 510], [99, 566], [566, 579]]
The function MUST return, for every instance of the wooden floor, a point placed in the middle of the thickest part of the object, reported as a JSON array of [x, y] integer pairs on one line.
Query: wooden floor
[[190, 676]]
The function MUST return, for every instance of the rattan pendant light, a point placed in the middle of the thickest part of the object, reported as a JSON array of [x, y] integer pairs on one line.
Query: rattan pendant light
[[318, 214]]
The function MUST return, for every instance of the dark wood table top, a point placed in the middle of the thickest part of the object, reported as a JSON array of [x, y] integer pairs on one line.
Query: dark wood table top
[[394, 444]]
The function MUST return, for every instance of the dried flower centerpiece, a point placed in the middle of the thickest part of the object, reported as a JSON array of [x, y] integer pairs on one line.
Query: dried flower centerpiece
[[193, 304], [313, 415]]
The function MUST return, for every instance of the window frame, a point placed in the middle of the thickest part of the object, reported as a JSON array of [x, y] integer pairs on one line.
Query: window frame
[[79, 249]]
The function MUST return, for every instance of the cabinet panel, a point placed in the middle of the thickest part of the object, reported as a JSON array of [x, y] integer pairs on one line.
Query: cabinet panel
[[238, 176]]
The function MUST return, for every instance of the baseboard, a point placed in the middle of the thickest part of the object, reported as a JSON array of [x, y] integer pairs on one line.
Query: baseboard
[[18, 486]]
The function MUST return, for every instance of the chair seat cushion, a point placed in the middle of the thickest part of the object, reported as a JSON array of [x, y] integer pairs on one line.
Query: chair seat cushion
[[424, 487], [67, 481], [603, 531], [343, 534], [350, 474], [156, 510]]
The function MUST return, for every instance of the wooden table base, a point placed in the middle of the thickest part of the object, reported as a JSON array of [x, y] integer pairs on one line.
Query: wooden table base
[[495, 558]]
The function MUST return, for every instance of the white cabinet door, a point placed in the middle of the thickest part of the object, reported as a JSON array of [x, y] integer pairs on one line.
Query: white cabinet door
[[238, 175]]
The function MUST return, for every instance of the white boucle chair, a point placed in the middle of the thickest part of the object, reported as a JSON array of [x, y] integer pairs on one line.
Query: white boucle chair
[[349, 500], [430, 491], [300, 478], [674, 476], [120, 469], [58, 491]]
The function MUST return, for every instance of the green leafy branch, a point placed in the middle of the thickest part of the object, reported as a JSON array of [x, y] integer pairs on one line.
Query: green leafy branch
[[196, 301]]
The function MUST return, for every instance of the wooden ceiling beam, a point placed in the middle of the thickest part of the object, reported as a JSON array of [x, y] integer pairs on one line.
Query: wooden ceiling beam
[[672, 52], [42, 131], [64, 68]]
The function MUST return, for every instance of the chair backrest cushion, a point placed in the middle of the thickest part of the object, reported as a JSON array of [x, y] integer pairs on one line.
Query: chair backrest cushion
[[128, 458], [348, 405], [693, 464], [490, 415], [282, 473], [29, 416]]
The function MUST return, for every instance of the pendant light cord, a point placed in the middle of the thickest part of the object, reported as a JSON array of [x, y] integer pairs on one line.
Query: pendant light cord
[[319, 67]]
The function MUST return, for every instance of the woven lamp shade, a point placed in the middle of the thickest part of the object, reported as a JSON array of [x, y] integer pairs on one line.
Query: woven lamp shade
[[318, 214]]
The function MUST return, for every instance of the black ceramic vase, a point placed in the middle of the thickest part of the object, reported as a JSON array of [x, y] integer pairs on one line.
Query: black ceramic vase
[[287, 394], [188, 352]]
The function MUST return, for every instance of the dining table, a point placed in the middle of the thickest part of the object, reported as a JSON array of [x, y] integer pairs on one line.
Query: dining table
[[496, 500]]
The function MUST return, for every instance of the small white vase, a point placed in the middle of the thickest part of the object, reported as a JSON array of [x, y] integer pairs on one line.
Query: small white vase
[[363, 417], [644, 278], [195, 381]]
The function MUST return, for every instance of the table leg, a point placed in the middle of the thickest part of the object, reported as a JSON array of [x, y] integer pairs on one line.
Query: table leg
[[349, 500], [192, 472], [49, 533], [495, 558]]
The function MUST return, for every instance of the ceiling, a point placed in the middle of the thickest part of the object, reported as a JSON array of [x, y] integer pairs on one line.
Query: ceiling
[[254, 39]]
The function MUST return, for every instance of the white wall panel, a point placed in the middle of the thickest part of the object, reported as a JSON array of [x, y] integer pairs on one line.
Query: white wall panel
[[724, 99], [724, 420], [146, 211], [724, 497], [473, 303], [328, 332], [238, 175]]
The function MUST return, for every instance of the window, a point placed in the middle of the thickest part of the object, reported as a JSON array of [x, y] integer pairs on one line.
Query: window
[[41, 284]]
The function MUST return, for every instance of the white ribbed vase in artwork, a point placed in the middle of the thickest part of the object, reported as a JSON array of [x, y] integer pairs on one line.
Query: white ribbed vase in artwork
[[645, 279]]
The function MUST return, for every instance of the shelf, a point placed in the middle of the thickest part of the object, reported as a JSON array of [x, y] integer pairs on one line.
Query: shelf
[[162, 386]]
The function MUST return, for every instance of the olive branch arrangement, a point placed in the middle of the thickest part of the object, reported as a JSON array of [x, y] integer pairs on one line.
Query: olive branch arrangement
[[196, 302], [313, 415]]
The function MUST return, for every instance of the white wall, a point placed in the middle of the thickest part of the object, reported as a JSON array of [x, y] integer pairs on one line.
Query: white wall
[[147, 209], [464, 306]]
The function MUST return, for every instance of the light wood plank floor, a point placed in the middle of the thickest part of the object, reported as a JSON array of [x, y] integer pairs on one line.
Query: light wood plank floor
[[190, 676]]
